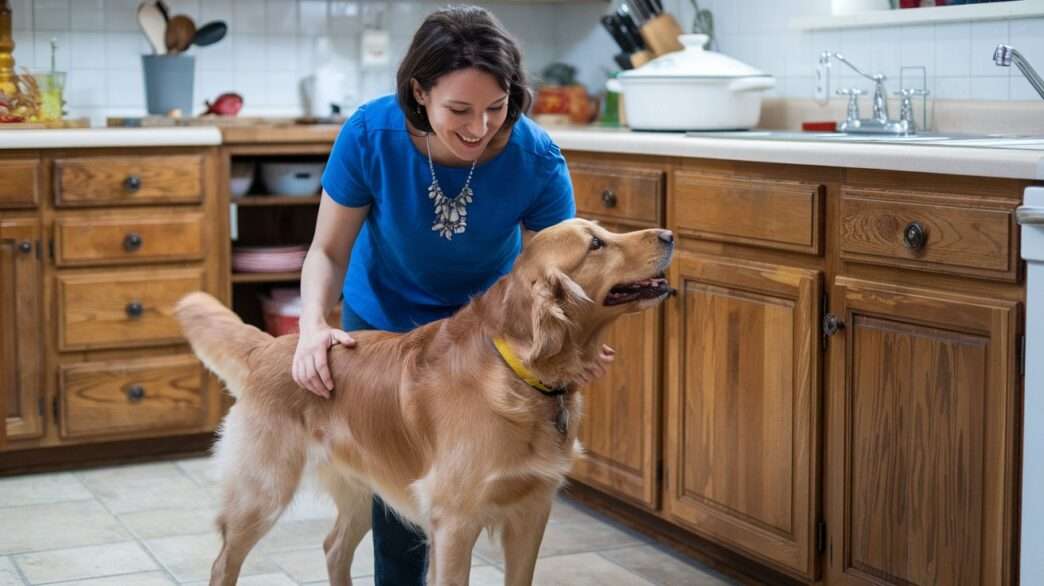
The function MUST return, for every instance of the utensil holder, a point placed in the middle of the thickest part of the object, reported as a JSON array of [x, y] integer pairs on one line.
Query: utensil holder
[[169, 83], [661, 34]]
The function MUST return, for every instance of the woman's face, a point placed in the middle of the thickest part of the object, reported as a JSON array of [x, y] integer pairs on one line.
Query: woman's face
[[466, 109]]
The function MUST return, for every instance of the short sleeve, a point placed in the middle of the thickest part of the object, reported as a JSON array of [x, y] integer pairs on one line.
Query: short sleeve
[[555, 201], [344, 176]]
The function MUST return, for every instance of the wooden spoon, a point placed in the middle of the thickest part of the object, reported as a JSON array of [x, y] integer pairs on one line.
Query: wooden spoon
[[152, 24], [180, 32]]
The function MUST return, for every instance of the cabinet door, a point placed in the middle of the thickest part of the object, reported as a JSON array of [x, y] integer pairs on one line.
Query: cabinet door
[[922, 403], [742, 449], [21, 327], [620, 428]]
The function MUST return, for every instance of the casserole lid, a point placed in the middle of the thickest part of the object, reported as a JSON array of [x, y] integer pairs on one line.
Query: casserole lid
[[693, 62]]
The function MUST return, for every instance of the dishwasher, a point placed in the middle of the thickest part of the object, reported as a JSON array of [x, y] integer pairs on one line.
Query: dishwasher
[[1031, 217]]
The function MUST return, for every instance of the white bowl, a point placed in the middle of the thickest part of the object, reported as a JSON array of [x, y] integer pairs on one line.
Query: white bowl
[[294, 179], [241, 177]]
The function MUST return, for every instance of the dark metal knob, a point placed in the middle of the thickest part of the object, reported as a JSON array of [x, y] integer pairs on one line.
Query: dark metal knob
[[608, 199], [915, 236], [25, 247], [132, 242], [134, 309], [832, 324], [135, 393], [132, 183]]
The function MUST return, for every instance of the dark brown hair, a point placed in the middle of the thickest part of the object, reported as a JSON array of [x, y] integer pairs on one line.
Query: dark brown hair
[[459, 37]]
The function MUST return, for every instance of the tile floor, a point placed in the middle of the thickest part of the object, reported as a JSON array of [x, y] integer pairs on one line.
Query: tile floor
[[152, 524]]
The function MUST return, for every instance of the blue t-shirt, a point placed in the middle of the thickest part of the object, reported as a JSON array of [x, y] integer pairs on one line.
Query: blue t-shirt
[[402, 273]]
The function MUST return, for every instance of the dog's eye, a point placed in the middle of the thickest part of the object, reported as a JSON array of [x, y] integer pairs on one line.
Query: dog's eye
[[596, 243]]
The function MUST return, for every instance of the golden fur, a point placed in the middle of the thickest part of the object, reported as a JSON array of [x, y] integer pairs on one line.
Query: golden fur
[[432, 420]]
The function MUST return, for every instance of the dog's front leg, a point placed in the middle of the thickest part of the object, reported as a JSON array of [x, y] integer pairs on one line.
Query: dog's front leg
[[521, 537], [452, 540]]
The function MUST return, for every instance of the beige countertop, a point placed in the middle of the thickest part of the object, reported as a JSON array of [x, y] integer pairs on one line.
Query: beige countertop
[[921, 158], [56, 138]]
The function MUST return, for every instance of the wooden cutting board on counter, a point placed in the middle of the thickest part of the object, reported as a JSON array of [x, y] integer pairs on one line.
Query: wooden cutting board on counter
[[64, 123]]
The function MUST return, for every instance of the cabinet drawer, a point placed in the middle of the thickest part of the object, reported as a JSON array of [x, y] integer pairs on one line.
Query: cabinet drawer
[[123, 238], [781, 214], [128, 180], [19, 183], [948, 234], [131, 396], [122, 309], [623, 193]]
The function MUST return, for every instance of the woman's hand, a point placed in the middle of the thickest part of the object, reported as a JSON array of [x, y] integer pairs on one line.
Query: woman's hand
[[311, 368], [597, 370]]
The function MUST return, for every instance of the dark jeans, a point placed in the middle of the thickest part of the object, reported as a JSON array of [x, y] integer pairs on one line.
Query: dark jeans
[[400, 554]]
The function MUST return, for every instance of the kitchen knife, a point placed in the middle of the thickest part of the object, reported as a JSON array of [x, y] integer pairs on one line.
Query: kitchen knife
[[624, 15], [617, 32], [639, 11], [657, 6]]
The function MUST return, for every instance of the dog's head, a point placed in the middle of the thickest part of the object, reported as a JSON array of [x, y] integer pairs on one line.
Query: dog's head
[[583, 276]]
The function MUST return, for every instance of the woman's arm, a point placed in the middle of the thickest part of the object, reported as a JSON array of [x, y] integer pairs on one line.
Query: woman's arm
[[322, 276]]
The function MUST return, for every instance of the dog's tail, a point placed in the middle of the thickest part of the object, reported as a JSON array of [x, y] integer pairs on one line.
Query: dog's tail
[[219, 338]]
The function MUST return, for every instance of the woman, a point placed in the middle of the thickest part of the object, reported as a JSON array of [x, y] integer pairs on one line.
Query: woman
[[423, 198]]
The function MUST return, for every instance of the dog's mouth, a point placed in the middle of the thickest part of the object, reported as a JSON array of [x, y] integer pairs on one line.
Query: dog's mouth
[[638, 290]]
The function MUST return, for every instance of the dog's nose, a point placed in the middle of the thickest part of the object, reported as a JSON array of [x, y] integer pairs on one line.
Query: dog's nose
[[666, 236]]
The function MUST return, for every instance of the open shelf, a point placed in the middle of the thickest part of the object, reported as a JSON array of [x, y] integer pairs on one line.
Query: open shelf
[[914, 16], [275, 200], [265, 277]]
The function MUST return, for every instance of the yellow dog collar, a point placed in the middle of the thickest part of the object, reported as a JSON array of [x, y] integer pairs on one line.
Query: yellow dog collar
[[520, 369]]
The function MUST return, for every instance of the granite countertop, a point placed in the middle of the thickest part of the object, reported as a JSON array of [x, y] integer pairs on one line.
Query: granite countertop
[[921, 158]]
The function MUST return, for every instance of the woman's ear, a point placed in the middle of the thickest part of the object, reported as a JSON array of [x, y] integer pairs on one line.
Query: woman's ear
[[418, 92], [553, 294]]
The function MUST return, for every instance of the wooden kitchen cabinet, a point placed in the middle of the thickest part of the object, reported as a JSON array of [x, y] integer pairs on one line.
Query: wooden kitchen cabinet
[[742, 414], [21, 332], [921, 436], [621, 425], [89, 348]]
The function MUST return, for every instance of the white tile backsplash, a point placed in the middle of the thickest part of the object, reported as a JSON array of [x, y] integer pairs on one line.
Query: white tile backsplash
[[958, 56], [87, 15], [51, 15]]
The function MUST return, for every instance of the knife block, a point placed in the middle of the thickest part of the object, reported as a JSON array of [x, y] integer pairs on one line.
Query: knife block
[[639, 58], [661, 34]]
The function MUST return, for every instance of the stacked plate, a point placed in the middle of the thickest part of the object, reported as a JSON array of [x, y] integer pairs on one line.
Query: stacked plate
[[268, 259]]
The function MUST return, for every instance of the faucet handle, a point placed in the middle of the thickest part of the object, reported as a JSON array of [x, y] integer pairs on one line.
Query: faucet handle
[[853, 101], [906, 113]]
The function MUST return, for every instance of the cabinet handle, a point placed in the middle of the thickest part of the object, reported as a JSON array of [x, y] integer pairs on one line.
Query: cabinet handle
[[608, 199], [134, 309], [132, 183], [915, 236], [135, 393], [25, 247], [132, 242], [832, 324]]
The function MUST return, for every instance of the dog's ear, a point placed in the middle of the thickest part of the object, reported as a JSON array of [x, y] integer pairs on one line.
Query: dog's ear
[[553, 295]]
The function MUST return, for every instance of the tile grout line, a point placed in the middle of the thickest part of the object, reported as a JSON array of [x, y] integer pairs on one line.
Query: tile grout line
[[140, 542]]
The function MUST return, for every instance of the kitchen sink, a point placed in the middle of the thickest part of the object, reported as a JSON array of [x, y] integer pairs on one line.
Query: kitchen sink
[[1034, 143]]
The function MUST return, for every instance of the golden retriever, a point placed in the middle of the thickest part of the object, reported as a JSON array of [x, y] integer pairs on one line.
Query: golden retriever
[[434, 421]]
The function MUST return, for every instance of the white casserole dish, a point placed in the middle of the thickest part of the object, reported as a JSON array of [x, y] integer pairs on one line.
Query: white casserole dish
[[694, 89]]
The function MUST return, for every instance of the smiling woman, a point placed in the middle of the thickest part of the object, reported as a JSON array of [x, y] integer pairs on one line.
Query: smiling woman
[[425, 196]]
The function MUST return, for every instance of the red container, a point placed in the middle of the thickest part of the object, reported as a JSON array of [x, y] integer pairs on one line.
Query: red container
[[281, 311]]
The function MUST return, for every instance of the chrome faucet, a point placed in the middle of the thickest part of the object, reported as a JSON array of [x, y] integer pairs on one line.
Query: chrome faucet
[[1004, 55], [879, 121]]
